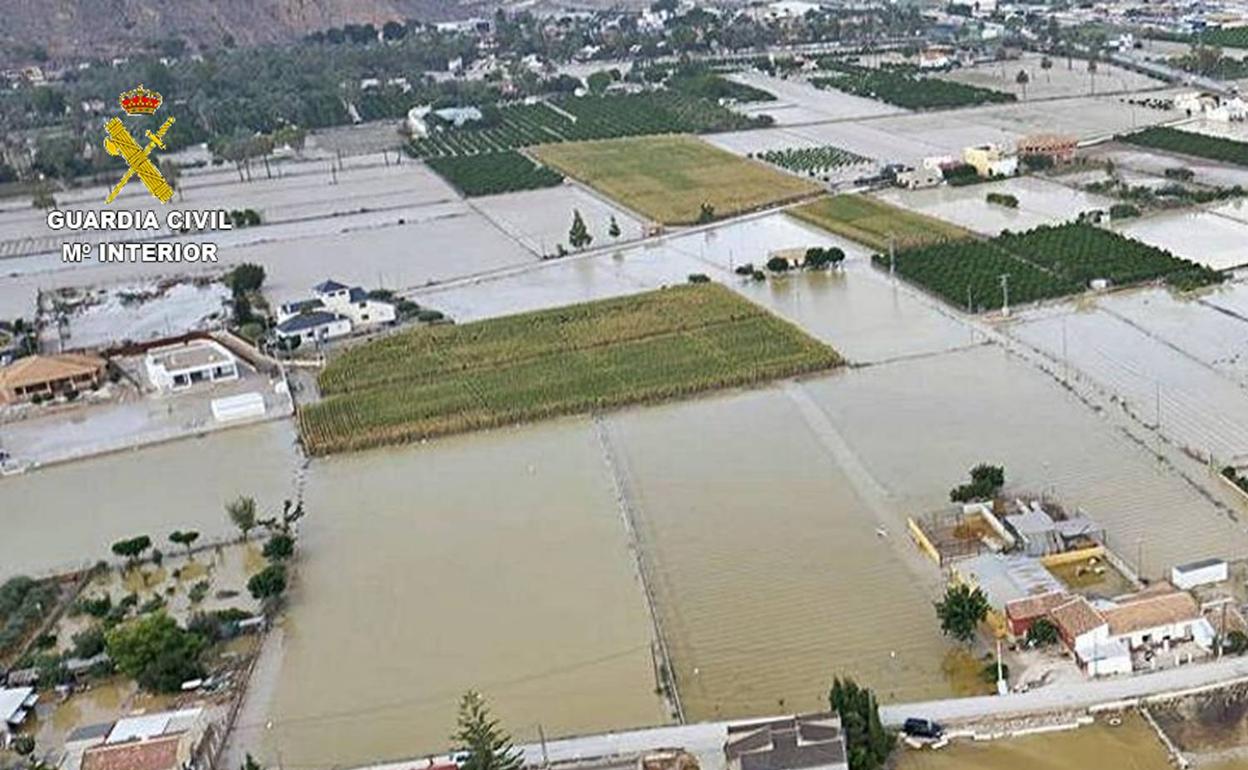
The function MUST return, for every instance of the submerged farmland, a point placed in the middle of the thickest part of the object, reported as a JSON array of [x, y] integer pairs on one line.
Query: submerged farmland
[[649, 347]]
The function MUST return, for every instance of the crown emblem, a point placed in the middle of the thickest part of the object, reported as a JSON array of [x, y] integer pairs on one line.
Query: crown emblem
[[140, 101]]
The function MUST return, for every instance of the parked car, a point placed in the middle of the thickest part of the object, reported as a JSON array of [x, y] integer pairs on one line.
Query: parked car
[[923, 728]]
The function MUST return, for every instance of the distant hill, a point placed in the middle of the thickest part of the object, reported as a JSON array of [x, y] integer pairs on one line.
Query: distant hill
[[76, 29]]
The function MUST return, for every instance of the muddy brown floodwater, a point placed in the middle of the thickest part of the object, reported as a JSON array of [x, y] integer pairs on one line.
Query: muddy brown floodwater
[[496, 561]]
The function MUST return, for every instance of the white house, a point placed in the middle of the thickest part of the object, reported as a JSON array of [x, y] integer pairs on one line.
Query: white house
[[176, 367], [334, 310], [1199, 573]]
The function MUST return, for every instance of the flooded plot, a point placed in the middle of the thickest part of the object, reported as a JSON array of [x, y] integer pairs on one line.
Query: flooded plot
[[67, 516], [1212, 240], [1040, 202], [769, 573], [1154, 162], [1055, 82], [540, 219], [799, 102], [497, 562], [138, 311], [1198, 408], [982, 405], [1212, 328], [860, 312]]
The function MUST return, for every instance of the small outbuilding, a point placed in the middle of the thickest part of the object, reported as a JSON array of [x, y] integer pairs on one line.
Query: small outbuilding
[[1199, 573]]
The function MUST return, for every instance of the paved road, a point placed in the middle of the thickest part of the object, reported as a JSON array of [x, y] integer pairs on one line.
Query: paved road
[[705, 740]]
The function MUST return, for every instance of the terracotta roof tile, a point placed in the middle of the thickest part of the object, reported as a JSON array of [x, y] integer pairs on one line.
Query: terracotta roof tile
[[156, 754]]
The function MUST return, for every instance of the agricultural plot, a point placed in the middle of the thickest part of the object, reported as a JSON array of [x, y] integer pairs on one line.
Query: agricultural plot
[[813, 161], [645, 348], [874, 223], [1041, 264], [494, 172], [1190, 143], [903, 89], [674, 179], [581, 118]]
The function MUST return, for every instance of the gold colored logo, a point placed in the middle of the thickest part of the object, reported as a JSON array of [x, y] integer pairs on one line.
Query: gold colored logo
[[139, 101]]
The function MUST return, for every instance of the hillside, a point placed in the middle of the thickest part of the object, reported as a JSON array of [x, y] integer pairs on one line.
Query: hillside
[[76, 29]]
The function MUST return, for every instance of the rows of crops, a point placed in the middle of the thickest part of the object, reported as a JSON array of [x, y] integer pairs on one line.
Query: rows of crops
[[1047, 262], [438, 380], [913, 92], [1191, 143], [493, 173], [813, 161], [585, 117], [876, 224]]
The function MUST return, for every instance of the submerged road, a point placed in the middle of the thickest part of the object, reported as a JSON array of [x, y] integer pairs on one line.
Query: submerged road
[[705, 740]]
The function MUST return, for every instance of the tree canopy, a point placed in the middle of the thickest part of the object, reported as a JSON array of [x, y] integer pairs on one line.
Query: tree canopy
[[156, 652], [488, 747], [961, 611], [867, 743]]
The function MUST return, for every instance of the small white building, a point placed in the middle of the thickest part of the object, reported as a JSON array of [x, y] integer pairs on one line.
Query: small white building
[[177, 367], [920, 178], [1199, 573], [16, 704], [334, 310]]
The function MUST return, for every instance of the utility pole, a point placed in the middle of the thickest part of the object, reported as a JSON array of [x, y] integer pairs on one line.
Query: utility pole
[[541, 734], [892, 254], [1005, 294]]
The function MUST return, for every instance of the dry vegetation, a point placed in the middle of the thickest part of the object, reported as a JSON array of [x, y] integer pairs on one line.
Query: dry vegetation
[[871, 222], [649, 347]]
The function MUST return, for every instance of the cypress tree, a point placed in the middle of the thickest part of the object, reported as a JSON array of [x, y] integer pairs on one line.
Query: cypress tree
[[488, 746]]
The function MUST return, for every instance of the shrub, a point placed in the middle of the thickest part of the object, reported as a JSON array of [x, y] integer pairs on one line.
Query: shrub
[[1002, 199], [1123, 211], [699, 278], [778, 265]]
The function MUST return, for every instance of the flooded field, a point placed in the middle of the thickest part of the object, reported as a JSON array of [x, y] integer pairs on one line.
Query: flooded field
[[770, 575], [1040, 202], [540, 219], [67, 516], [1151, 372], [496, 561], [1132, 744], [1060, 80], [799, 102], [1205, 237]]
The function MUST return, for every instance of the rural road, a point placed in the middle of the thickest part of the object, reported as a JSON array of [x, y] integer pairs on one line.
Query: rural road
[[705, 740]]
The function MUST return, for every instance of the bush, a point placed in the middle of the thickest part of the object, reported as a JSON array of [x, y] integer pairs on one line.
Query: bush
[[1002, 199], [778, 265], [1123, 211], [244, 278], [88, 643], [429, 316], [1042, 633], [156, 652], [699, 278]]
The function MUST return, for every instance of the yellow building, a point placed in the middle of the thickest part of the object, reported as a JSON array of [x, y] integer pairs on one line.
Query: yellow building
[[990, 160]]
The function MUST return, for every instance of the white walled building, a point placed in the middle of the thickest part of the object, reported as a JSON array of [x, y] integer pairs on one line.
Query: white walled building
[[335, 310], [176, 367], [1199, 573]]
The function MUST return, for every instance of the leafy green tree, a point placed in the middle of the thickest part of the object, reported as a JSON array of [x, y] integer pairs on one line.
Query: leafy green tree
[[247, 276], [279, 548], [867, 743], [706, 213], [1042, 633], [961, 611], [986, 482], [156, 652], [23, 745], [132, 548], [778, 265], [184, 539], [268, 584], [242, 512], [579, 235], [488, 747], [42, 197]]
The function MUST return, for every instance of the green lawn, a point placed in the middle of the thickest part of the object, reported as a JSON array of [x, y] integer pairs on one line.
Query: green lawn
[[659, 345], [870, 222], [668, 178]]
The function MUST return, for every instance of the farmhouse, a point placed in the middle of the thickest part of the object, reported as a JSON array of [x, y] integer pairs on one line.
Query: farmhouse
[[1058, 147], [802, 741], [990, 160], [38, 377], [334, 310], [919, 178], [177, 367], [169, 740]]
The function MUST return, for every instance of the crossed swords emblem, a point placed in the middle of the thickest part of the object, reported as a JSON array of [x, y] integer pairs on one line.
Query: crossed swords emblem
[[120, 142]]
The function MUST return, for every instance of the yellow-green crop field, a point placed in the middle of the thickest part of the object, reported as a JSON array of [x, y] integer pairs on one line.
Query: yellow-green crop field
[[645, 348], [668, 178], [870, 222]]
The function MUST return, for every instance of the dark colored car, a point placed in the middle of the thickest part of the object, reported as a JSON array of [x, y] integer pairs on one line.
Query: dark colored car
[[923, 728]]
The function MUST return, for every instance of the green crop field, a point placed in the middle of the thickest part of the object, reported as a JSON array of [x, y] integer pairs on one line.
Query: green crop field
[[812, 161], [914, 92], [493, 172], [580, 118], [1047, 262], [1191, 143], [871, 222], [669, 178], [650, 347]]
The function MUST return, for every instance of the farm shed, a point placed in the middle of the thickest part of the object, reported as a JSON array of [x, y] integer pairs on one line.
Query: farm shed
[[1199, 573]]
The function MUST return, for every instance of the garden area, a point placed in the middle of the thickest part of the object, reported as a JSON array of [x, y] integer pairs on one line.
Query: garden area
[[873, 222], [1043, 263], [571, 119], [646, 348], [1190, 143], [903, 89], [676, 180], [812, 161], [492, 173]]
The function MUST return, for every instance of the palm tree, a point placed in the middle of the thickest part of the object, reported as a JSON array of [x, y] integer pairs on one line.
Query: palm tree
[[1023, 79], [1046, 64]]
